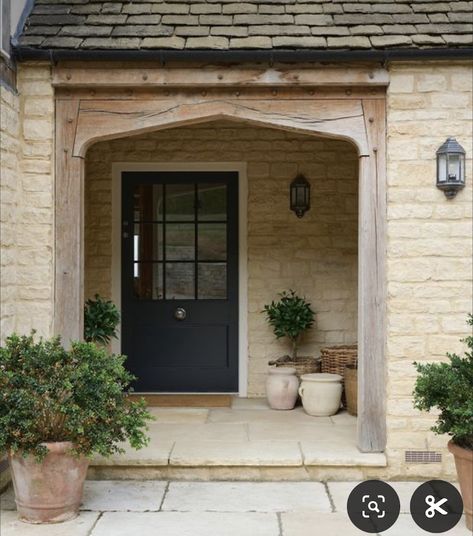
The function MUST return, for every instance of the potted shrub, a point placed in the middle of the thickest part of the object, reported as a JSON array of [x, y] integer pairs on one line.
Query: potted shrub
[[448, 387], [290, 317], [57, 408], [101, 318]]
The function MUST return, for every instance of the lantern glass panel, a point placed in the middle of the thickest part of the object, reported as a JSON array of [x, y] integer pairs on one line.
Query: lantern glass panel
[[462, 169], [442, 167], [453, 167]]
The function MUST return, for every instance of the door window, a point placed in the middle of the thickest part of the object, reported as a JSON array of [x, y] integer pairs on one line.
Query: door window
[[180, 241]]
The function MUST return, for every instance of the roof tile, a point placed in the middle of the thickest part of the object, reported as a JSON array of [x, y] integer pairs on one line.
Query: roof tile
[[222, 24]]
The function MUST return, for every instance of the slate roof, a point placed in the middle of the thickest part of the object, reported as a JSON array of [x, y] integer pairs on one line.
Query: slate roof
[[250, 24]]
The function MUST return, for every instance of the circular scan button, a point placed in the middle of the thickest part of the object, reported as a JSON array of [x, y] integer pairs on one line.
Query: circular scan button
[[373, 506], [436, 506]]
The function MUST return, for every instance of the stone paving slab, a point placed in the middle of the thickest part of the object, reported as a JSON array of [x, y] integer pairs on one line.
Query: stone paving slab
[[232, 453], [247, 497], [405, 526], [197, 431], [315, 524], [250, 403], [179, 415], [10, 525], [343, 418], [156, 453], [318, 431], [339, 454], [186, 524], [115, 495], [230, 415]]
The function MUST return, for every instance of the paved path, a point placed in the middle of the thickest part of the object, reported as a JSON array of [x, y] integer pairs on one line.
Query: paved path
[[118, 508]]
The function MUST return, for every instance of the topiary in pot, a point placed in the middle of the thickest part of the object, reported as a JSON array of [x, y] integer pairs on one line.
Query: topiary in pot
[[101, 318], [58, 407], [449, 388], [290, 317]]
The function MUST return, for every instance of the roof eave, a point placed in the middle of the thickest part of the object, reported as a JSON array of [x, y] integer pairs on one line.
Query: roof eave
[[244, 55]]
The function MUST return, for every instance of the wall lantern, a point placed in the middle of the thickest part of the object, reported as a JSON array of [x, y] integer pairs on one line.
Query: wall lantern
[[450, 167], [300, 196]]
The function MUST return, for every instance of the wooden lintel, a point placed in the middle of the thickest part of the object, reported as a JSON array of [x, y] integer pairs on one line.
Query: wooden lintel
[[115, 75]]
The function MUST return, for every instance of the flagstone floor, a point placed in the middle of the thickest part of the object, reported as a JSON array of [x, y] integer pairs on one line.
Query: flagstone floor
[[245, 442], [162, 508]]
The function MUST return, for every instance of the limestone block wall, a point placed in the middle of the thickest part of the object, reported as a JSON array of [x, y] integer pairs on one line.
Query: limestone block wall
[[429, 249], [315, 255], [9, 147], [34, 213]]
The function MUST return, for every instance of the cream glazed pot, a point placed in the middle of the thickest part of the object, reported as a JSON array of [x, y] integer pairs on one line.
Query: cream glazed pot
[[281, 387], [321, 394]]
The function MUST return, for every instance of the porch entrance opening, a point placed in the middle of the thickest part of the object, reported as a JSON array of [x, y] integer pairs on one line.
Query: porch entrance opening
[[180, 280]]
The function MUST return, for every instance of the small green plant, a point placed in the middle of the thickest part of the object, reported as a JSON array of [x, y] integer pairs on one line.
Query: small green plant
[[289, 317], [49, 394], [101, 318], [449, 387]]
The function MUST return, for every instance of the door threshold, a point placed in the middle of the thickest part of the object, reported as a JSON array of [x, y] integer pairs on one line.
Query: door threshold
[[183, 400]]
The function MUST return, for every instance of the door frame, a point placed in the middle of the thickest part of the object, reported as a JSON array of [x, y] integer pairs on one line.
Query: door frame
[[238, 167]]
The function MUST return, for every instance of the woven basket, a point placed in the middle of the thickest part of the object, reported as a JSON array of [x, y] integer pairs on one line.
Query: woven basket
[[303, 364], [336, 358], [351, 389]]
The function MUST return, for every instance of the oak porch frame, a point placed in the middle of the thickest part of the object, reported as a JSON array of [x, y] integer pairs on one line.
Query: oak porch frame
[[95, 103]]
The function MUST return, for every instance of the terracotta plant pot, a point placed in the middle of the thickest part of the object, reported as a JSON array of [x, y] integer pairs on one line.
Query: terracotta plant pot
[[464, 465], [50, 491], [281, 388], [351, 389]]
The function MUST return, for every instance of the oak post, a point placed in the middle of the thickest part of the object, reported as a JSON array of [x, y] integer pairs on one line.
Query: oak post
[[371, 284], [69, 260]]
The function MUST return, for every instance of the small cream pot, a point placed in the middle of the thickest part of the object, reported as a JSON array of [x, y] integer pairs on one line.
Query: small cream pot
[[321, 394]]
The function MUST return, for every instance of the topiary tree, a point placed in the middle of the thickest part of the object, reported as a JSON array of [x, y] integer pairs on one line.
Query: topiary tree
[[101, 318], [289, 317], [449, 387], [50, 394]]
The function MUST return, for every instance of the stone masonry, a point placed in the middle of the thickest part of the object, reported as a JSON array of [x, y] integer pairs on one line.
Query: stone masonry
[[9, 147], [429, 250], [27, 203], [316, 255]]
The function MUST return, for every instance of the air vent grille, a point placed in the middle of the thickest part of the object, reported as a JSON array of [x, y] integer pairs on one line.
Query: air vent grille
[[423, 456]]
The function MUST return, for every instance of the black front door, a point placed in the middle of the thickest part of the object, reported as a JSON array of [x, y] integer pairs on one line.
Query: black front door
[[180, 280]]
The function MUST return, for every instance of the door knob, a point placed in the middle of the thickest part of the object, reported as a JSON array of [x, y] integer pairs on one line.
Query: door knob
[[180, 313]]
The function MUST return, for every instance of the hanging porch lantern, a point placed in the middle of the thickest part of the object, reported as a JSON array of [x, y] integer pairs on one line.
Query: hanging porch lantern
[[300, 196], [450, 167]]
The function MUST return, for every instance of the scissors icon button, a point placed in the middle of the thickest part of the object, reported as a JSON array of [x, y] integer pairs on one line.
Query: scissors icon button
[[434, 506]]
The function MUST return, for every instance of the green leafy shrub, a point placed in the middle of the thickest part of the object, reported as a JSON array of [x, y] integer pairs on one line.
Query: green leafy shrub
[[449, 387], [289, 317], [48, 394], [101, 318]]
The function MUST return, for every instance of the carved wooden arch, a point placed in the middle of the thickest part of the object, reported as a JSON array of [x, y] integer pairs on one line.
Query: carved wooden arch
[[102, 120], [82, 121]]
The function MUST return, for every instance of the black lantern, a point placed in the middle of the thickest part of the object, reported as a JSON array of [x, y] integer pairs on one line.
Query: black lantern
[[450, 167], [300, 196]]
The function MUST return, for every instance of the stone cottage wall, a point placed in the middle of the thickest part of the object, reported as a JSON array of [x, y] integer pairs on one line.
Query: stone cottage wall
[[35, 208], [27, 188], [315, 255], [9, 147], [429, 250]]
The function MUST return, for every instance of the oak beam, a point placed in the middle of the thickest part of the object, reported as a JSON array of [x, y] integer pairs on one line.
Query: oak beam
[[145, 76]]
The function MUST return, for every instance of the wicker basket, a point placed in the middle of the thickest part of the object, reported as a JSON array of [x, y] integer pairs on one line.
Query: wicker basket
[[336, 358], [351, 389], [303, 364]]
